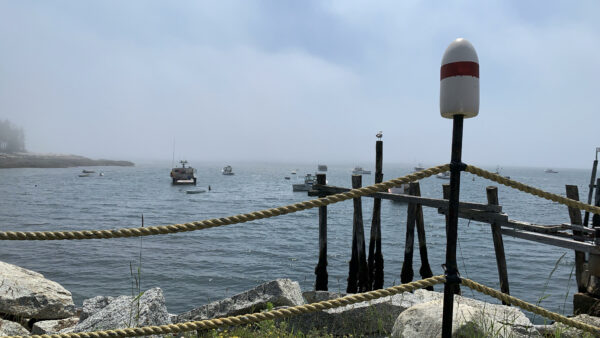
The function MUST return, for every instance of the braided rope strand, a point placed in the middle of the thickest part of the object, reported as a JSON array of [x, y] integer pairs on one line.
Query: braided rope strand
[[215, 222]]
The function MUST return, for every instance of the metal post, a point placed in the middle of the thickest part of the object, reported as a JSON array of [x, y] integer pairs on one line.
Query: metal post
[[452, 276]]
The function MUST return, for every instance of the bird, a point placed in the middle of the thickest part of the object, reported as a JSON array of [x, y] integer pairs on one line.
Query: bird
[[379, 135]]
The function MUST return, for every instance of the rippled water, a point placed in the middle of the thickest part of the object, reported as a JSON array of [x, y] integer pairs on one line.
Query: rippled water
[[196, 267]]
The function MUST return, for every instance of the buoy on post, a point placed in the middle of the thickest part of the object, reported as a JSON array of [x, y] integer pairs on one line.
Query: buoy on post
[[459, 99]]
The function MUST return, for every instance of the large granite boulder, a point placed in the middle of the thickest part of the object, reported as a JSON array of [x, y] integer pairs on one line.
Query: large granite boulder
[[319, 296], [53, 326], [25, 293], [562, 330], [8, 328], [126, 311], [374, 317], [93, 305], [471, 318], [280, 292]]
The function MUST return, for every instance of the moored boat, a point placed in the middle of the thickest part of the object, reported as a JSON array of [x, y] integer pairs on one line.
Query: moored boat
[[360, 171], [322, 167], [550, 171], [309, 180], [445, 175], [227, 170], [183, 175]]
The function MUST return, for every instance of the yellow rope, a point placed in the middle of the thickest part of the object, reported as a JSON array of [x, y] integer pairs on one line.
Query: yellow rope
[[254, 317], [531, 190], [529, 307], [215, 222]]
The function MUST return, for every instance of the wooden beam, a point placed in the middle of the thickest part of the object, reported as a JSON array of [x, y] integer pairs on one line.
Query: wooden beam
[[566, 243], [492, 197]]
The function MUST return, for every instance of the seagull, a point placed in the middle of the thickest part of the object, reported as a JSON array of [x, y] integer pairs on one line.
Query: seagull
[[379, 135]]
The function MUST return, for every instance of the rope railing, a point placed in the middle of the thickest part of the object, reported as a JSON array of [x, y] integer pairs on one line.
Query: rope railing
[[531, 190], [216, 222]]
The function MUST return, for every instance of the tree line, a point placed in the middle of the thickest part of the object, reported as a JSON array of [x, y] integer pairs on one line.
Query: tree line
[[12, 138]]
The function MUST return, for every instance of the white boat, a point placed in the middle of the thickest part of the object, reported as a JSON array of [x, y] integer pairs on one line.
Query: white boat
[[84, 175], [293, 172], [403, 189], [227, 170], [322, 167], [360, 171], [195, 191], [309, 180], [445, 175], [550, 171], [183, 175], [419, 167]]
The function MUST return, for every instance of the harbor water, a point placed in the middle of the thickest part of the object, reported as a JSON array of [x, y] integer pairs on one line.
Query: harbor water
[[194, 268]]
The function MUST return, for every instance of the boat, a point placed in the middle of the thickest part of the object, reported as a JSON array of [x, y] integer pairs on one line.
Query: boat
[[87, 171], [183, 175], [321, 167], [550, 171], [445, 175], [293, 172], [227, 170], [419, 167], [84, 175], [309, 180], [360, 171], [195, 191], [287, 177], [101, 174], [403, 189]]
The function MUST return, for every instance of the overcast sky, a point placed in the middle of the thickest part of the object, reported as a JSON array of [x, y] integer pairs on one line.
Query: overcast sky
[[299, 81]]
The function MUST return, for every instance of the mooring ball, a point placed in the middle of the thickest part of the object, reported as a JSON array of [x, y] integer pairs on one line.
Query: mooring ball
[[459, 80]]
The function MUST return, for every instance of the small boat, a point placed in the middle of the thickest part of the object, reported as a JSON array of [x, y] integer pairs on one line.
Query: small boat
[[403, 189], [445, 175], [287, 177], [101, 174], [84, 175], [309, 180], [321, 167], [195, 191], [360, 171], [183, 175], [87, 171], [227, 170], [550, 171], [419, 167], [294, 172]]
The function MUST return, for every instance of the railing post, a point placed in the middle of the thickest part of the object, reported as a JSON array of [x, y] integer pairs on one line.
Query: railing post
[[321, 268], [375, 259], [407, 274], [358, 274], [459, 99], [492, 197], [425, 270]]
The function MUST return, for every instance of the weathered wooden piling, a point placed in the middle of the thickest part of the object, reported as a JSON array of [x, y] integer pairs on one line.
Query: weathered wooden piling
[[358, 274], [425, 270], [591, 192], [575, 216], [492, 197], [321, 268], [407, 274], [446, 195], [375, 259]]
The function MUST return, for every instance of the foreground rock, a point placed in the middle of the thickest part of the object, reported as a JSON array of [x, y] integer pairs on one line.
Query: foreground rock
[[125, 311], [8, 328], [366, 318], [471, 318], [560, 329], [25, 293], [280, 292], [53, 326]]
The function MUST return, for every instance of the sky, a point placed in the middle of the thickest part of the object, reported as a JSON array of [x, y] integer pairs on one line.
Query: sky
[[299, 81]]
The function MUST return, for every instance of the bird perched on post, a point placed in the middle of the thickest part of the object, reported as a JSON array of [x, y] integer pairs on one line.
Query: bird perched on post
[[379, 135]]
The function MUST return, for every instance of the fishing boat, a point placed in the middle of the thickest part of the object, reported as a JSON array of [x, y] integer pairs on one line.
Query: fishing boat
[[227, 170], [322, 167], [360, 171], [403, 189], [195, 191], [309, 180], [550, 171], [293, 172], [84, 175], [87, 171], [183, 175], [445, 175]]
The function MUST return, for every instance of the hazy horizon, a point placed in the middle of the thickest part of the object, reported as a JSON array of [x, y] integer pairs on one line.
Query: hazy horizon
[[298, 82]]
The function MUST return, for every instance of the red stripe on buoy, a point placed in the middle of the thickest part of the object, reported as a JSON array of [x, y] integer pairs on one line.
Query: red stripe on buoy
[[461, 68]]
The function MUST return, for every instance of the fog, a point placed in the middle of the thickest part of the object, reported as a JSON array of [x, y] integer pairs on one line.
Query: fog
[[287, 81]]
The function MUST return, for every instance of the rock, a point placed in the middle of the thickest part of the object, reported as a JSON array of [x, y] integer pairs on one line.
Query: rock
[[53, 326], [25, 293], [366, 318], [123, 312], [562, 330], [93, 305], [319, 296], [8, 328], [471, 318], [280, 292]]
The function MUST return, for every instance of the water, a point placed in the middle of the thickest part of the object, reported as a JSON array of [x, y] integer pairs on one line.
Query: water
[[197, 267]]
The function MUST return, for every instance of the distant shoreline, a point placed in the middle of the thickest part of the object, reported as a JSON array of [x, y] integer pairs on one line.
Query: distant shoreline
[[31, 160]]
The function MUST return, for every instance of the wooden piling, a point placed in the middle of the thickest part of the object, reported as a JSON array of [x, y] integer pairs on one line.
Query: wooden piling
[[425, 270], [322, 278], [594, 261], [375, 259], [446, 195], [407, 274], [591, 192], [492, 197], [575, 216], [358, 274]]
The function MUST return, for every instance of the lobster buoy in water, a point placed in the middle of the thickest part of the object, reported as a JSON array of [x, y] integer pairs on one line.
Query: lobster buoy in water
[[459, 80]]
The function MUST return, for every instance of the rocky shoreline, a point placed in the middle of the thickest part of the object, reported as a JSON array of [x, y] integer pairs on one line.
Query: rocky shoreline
[[32, 304], [31, 160]]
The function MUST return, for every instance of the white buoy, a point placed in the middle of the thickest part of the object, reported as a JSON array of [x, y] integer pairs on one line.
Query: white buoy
[[459, 80]]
